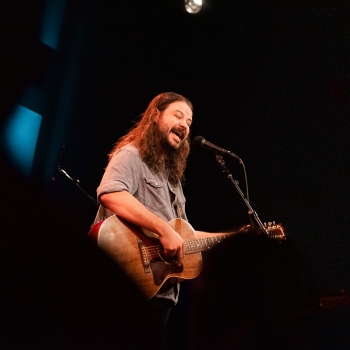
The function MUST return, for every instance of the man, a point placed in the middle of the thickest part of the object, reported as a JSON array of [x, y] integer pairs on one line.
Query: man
[[142, 185]]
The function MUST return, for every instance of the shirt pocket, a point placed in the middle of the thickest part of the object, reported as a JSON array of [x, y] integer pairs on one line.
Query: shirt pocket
[[155, 196]]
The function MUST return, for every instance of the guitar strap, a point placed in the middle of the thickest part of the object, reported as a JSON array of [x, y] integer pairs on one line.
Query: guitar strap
[[179, 207], [101, 214], [180, 212]]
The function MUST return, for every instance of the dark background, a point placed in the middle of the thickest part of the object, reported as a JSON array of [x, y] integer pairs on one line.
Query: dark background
[[269, 80]]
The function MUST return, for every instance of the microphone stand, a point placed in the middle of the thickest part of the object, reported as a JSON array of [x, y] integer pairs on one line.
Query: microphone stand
[[76, 183], [253, 216]]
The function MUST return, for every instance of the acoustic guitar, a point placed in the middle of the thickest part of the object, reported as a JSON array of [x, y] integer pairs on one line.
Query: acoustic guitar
[[142, 259]]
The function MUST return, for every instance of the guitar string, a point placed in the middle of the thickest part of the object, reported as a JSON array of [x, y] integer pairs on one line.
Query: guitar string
[[153, 251], [193, 243], [159, 248], [199, 241], [190, 244]]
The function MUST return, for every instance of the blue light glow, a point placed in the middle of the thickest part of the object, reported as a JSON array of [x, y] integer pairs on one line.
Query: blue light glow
[[52, 21], [20, 136]]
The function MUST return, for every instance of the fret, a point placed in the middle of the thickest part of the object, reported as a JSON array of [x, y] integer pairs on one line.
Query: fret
[[202, 244]]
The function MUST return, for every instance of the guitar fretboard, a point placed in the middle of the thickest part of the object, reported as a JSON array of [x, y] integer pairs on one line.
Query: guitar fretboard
[[202, 244]]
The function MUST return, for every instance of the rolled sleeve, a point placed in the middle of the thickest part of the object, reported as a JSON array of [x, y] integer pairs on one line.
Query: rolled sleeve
[[122, 173]]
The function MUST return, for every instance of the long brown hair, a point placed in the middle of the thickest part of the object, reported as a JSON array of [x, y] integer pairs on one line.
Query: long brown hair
[[144, 136]]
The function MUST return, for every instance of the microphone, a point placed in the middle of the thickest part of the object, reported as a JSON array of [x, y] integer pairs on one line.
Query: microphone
[[199, 141]]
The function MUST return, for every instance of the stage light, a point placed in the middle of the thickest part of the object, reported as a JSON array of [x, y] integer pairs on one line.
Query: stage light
[[193, 6], [52, 22], [19, 138]]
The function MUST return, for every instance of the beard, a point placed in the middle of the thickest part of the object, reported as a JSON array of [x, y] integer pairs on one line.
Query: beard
[[160, 154], [163, 137]]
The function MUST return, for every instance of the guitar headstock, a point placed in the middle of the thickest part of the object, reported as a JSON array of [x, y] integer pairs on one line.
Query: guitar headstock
[[274, 230]]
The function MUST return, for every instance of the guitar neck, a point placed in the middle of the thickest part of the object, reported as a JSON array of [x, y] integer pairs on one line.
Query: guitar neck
[[275, 231], [203, 244]]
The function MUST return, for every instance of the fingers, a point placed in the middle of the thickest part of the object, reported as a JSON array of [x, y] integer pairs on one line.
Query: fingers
[[173, 245], [178, 253]]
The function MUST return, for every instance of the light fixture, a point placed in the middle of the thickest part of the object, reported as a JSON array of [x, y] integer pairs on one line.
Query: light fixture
[[193, 6]]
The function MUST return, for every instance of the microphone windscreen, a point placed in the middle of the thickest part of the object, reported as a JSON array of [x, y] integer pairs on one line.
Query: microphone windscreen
[[198, 140]]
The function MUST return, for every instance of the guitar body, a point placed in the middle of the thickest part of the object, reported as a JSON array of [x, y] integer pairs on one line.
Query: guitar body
[[140, 256]]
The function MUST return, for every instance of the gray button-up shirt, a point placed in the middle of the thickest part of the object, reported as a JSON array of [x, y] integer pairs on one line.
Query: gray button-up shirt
[[127, 172]]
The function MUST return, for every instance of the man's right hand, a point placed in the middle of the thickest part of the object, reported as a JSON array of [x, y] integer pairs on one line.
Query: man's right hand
[[173, 244]]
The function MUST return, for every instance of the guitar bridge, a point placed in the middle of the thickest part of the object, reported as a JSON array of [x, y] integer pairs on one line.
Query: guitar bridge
[[144, 257]]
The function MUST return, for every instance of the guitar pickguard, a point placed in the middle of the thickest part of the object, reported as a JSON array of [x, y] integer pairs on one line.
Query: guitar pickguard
[[161, 270]]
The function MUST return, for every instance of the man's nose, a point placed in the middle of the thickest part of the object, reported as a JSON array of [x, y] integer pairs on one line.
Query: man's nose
[[183, 124]]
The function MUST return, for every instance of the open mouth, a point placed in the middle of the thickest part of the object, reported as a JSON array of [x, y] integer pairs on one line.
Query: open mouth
[[179, 134]]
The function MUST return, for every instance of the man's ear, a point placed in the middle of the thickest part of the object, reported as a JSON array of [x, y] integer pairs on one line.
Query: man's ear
[[157, 115]]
